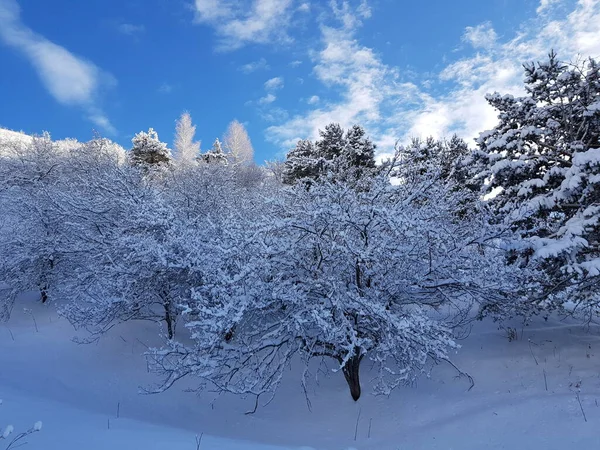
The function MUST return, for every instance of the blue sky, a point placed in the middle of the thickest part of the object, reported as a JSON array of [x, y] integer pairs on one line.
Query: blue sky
[[284, 68]]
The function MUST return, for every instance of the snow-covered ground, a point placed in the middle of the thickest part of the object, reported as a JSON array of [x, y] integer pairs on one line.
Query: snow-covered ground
[[525, 396]]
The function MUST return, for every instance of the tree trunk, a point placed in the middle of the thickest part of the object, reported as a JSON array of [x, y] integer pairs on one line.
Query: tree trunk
[[168, 317], [44, 294], [352, 374]]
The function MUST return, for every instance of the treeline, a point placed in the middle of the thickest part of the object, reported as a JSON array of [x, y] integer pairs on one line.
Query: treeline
[[326, 255]]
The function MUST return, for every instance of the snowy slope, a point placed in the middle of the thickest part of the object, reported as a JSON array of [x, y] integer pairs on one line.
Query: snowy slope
[[76, 391]]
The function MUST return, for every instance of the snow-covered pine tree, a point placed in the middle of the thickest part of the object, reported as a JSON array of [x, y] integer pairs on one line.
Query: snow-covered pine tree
[[340, 155], [444, 158], [187, 150], [358, 155], [148, 150], [540, 166], [332, 142], [302, 163], [215, 155]]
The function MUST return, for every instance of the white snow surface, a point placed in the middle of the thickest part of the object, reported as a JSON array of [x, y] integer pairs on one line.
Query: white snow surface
[[77, 389]]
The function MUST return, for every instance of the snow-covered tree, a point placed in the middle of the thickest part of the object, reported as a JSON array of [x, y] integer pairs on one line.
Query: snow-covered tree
[[129, 250], [346, 156], [237, 144], [148, 150], [215, 154], [380, 274], [302, 162], [539, 167], [187, 150], [444, 157], [30, 231]]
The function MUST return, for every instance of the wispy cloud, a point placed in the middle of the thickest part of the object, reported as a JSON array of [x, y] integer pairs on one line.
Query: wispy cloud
[[295, 63], [313, 100], [241, 22], [254, 66], [267, 99], [70, 79], [274, 84], [130, 29], [373, 93], [362, 81], [165, 88], [482, 36]]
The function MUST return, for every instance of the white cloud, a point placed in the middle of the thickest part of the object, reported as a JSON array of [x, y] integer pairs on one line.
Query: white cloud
[[274, 84], [100, 120], [71, 80], [253, 66], [364, 83], [313, 100], [364, 10], [481, 36], [130, 29], [165, 88], [304, 7], [544, 5], [242, 22], [295, 63], [267, 99], [372, 93]]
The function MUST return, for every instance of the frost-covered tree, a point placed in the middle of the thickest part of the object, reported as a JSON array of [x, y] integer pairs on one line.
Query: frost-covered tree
[[237, 144], [444, 157], [187, 150], [148, 150], [358, 155], [539, 167], [215, 154], [302, 162], [380, 274], [131, 262], [345, 156], [30, 230]]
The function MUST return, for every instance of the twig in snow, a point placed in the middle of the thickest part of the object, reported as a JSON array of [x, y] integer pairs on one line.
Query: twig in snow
[[370, 422], [545, 379], [11, 333], [30, 312], [581, 406], [357, 420], [118, 409], [199, 440], [531, 350], [20, 437], [462, 374], [255, 406]]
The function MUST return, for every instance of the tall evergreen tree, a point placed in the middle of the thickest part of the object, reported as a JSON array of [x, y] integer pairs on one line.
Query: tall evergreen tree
[[215, 155], [541, 165], [338, 154], [302, 162], [148, 150]]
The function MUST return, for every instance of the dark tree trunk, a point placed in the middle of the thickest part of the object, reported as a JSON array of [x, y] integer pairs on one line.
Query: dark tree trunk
[[44, 294], [352, 374], [168, 316]]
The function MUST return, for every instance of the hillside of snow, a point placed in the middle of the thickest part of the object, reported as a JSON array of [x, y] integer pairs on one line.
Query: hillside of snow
[[540, 391]]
